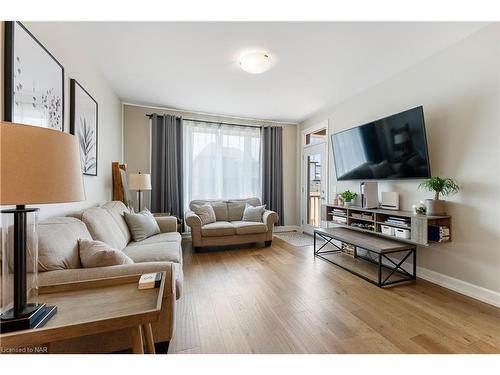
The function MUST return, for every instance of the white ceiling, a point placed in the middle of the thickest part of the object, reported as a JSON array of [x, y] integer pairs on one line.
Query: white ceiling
[[193, 66]]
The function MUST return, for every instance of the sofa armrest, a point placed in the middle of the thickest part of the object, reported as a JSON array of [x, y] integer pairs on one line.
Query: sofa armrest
[[270, 218], [83, 274], [194, 222], [167, 223]]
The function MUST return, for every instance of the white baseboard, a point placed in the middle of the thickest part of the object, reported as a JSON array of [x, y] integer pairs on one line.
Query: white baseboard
[[287, 228], [463, 287]]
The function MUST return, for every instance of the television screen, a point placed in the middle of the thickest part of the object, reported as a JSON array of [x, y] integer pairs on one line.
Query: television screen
[[394, 147]]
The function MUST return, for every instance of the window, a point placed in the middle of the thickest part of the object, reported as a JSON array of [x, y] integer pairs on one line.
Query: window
[[316, 137], [220, 161]]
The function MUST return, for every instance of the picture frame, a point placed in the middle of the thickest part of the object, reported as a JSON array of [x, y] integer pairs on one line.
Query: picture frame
[[84, 123], [33, 80]]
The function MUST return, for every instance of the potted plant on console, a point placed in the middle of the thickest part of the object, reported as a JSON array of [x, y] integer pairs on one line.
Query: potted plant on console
[[348, 197], [440, 186]]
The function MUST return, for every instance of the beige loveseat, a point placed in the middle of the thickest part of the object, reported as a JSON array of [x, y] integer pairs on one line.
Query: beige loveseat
[[59, 262], [229, 229]]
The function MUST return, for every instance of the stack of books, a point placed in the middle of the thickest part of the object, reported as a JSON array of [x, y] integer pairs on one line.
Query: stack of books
[[403, 221], [339, 219], [338, 211], [438, 233], [150, 280], [339, 216]]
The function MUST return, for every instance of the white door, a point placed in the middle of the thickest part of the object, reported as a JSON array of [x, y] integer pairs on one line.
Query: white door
[[313, 185]]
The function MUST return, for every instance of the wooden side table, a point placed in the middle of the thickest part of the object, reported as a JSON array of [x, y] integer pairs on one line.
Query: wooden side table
[[95, 306]]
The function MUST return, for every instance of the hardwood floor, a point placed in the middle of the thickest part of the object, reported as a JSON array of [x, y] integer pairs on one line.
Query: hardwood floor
[[282, 300]]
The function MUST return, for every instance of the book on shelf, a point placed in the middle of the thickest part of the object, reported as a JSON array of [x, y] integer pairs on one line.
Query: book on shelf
[[404, 224], [400, 219], [438, 233]]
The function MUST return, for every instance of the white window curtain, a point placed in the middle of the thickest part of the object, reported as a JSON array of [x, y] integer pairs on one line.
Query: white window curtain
[[220, 161]]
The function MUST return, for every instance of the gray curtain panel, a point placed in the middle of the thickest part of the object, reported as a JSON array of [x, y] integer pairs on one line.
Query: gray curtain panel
[[166, 164], [272, 169]]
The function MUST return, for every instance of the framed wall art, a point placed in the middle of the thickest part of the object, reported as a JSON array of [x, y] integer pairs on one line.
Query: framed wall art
[[34, 81], [84, 124]]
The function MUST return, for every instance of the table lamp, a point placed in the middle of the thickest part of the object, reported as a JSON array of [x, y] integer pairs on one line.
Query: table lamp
[[37, 166], [140, 182]]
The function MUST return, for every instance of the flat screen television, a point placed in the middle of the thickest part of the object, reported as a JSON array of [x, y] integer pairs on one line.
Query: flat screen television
[[392, 148]]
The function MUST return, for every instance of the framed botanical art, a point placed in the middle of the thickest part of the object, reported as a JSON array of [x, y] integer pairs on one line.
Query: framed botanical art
[[83, 124], [34, 81]]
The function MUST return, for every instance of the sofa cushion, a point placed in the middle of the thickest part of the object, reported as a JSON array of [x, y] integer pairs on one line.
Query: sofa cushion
[[154, 252], [219, 228], [162, 237], [117, 210], [205, 212], [102, 227], [220, 209], [249, 227], [164, 251], [58, 243], [236, 207], [142, 225], [95, 253], [219, 206], [252, 213], [235, 210]]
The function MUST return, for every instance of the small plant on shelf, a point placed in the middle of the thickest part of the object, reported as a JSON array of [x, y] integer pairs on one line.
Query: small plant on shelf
[[348, 196], [441, 187]]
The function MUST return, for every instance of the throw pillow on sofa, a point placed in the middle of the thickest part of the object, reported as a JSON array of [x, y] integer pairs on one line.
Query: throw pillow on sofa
[[98, 254], [252, 213], [142, 225], [205, 212]]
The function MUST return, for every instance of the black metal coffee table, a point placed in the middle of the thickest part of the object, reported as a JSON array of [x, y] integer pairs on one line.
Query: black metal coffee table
[[389, 271]]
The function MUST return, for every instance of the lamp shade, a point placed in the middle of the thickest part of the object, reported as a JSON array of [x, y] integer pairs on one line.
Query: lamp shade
[[139, 181], [38, 165]]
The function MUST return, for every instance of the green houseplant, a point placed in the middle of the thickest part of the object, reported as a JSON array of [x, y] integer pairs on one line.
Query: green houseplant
[[441, 187], [348, 196]]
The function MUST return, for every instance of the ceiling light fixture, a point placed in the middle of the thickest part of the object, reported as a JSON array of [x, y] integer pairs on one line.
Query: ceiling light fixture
[[255, 62]]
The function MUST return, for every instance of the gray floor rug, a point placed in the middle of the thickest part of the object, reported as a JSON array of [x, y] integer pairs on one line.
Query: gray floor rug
[[297, 238]]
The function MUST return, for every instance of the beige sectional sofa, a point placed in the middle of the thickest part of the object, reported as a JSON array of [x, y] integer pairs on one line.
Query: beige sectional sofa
[[229, 229], [59, 262]]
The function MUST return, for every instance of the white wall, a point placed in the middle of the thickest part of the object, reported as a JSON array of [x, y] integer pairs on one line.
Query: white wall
[[57, 38], [136, 145], [459, 89]]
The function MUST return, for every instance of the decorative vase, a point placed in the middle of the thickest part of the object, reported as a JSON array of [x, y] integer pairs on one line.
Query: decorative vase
[[435, 207]]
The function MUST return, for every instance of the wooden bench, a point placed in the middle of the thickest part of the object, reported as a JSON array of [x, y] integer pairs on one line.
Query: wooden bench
[[382, 269]]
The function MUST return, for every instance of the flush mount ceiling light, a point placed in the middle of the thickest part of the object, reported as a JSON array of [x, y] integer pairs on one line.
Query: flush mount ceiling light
[[255, 62]]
